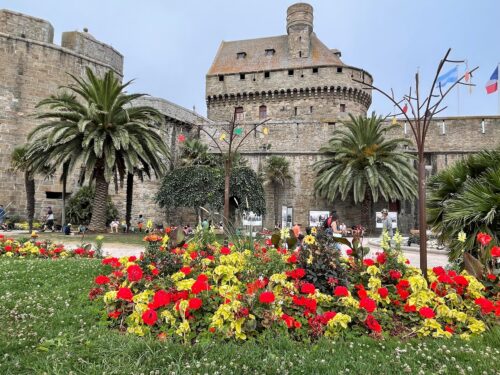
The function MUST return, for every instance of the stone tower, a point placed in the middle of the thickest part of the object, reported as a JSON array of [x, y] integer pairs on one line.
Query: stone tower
[[299, 26], [306, 91]]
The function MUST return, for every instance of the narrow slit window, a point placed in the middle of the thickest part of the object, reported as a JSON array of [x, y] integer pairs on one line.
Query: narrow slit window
[[315, 70], [342, 108], [267, 74], [242, 75], [221, 78], [295, 111], [311, 109], [262, 112], [290, 72]]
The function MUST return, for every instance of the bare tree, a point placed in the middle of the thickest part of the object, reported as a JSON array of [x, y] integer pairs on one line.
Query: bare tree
[[422, 111], [228, 138]]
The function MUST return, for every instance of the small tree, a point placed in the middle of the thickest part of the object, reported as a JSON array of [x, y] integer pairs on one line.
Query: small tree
[[277, 174], [79, 208]]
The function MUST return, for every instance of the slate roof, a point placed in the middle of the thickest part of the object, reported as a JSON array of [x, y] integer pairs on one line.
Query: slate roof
[[226, 61]]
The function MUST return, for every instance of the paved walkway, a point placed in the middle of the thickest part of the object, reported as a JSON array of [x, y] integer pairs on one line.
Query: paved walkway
[[434, 258]]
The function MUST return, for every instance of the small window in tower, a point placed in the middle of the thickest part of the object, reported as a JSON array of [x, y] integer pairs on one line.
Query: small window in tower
[[270, 51], [53, 195], [311, 109], [239, 115], [295, 111], [342, 108], [241, 55], [242, 75], [267, 74], [221, 78], [315, 70], [262, 112], [290, 72], [339, 69], [300, 53]]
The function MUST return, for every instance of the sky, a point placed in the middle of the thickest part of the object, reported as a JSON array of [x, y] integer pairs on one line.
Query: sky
[[169, 45]]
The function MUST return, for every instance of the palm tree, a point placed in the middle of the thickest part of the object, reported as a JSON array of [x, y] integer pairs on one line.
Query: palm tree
[[195, 152], [96, 125], [466, 197], [277, 174], [20, 163], [361, 163]]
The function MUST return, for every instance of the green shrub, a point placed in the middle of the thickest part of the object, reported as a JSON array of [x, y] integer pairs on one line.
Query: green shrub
[[79, 207]]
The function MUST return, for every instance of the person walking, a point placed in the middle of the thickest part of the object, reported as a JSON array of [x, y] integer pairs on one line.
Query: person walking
[[49, 223], [387, 222], [114, 226], [140, 223]]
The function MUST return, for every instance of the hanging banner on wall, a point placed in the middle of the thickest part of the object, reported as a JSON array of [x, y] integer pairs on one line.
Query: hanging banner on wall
[[317, 218]]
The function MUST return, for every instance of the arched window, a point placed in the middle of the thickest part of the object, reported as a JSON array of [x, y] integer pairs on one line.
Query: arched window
[[262, 112]]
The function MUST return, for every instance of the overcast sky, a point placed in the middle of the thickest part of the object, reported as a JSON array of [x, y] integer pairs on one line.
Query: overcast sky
[[169, 45]]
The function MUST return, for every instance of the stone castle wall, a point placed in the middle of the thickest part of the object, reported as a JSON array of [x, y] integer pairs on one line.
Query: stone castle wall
[[299, 143], [304, 95], [32, 69]]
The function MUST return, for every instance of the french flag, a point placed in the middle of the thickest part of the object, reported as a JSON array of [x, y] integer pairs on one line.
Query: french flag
[[492, 84]]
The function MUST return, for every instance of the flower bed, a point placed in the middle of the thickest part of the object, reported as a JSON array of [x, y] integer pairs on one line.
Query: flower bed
[[10, 247], [198, 292]]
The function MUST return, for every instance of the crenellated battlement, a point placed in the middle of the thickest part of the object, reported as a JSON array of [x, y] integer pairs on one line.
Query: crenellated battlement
[[19, 28]]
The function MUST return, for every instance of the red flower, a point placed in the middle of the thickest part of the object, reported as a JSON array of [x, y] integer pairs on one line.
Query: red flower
[[307, 288], [185, 270], [194, 255], [394, 274], [125, 294], [8, 248], [403, 293], [402, 284], [460, 280], [288, 320], [483, 238], [495, 251], [134, 272], [444, 278], [341, 291], [410, 308], [348, 252], [101, 280], [438, 270], [118, 274], [368, 304], [266, 297], [383, 292], [449, 329], [132, 258], [114, 315], [297, 324], [195, 303], [155, 271], [372, 323], [296, 274], [491, 277], [200, 285], [161, 298], [486, 305], [292, 259], [225, 250], [326, 316], [212, 329], [427, 313], [149, 317], [381, 258], [368, 262]]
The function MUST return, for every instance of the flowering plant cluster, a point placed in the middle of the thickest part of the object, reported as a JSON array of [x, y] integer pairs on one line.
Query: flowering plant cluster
[[218, 291], [37, 249]]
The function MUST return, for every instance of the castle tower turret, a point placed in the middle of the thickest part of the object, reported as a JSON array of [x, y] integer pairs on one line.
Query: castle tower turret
[[299, 26]]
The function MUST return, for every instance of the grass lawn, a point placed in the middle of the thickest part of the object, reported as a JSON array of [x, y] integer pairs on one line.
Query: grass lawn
[[49, 326]]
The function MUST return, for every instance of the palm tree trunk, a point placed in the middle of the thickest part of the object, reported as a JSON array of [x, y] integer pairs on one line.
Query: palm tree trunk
[[128, 205], [227, 180], [366, 207], [29, 183], [99, 209], [63, 212], [276, 204]]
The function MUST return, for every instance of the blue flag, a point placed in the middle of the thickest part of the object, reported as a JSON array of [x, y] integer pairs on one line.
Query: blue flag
[[451, 76]]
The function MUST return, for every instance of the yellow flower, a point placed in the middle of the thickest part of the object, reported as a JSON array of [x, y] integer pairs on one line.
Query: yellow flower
[[309, 240], [372, 270], [462, 236], [314, 230], [99, 238], [310, 259], [178, 276], [476, 326], [374, 283], [110, 296], [183, 328], [165, 240], [185, 284]]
